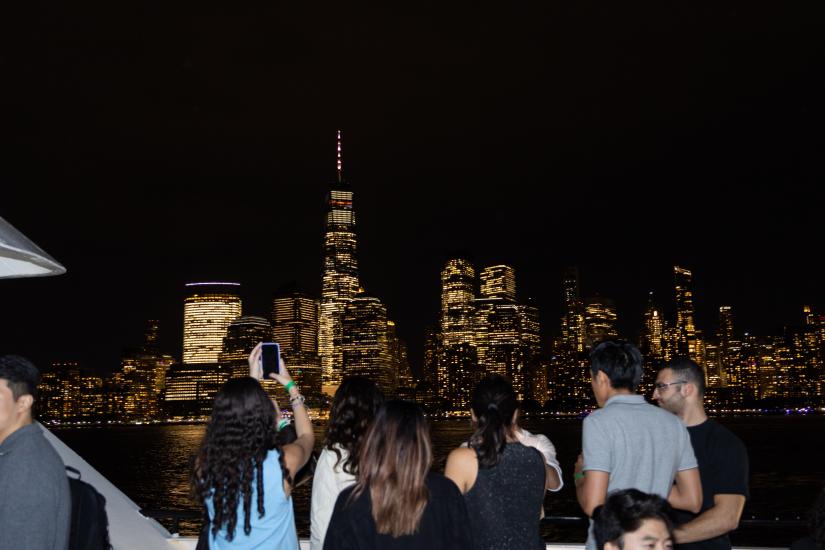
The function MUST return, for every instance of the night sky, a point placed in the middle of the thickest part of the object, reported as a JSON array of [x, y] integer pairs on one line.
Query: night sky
[[150, 144]]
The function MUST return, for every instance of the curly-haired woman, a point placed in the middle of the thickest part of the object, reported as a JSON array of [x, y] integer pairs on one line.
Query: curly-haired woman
[[242, 474], [354, 406]]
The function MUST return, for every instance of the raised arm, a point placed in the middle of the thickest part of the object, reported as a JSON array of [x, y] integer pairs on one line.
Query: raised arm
[[297, 453], [686, 493]]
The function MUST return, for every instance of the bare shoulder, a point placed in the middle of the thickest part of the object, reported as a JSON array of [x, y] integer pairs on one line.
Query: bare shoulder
[[462, 455], [462, 467]]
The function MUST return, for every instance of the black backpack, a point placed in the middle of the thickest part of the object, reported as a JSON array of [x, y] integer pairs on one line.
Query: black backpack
[[89, 524]]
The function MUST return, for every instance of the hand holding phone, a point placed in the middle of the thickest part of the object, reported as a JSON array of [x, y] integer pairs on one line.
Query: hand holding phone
[[270, 359]]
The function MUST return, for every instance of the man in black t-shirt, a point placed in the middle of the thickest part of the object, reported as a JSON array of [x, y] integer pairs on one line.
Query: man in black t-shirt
[[723, 460]]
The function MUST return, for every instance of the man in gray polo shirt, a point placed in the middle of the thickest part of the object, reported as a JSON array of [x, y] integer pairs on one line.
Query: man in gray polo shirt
[[629, 443]]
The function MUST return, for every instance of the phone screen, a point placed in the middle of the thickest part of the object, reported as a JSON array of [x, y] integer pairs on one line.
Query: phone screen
[[270, 358]]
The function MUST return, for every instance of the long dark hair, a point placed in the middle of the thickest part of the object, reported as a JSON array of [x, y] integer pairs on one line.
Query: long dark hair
[[494, 406], [356, 401], [238, 437], [395, 458]]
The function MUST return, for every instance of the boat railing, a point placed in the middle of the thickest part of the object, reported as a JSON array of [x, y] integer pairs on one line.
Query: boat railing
[[172, 520]]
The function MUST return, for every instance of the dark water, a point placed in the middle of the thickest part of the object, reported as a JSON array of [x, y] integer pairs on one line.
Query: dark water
[[787, 454]]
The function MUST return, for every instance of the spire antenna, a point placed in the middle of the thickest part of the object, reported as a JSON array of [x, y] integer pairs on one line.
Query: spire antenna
[[339, 160]]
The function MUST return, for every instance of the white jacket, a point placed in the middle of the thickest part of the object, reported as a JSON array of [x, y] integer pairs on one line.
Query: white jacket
[[327, 483]]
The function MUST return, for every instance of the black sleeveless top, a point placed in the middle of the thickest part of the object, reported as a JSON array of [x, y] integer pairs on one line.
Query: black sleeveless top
[[505, 502]]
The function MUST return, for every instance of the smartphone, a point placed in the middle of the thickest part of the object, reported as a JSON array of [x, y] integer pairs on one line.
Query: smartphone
[[270, 358]]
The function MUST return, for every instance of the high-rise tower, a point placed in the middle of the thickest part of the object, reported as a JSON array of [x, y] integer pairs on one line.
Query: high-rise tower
[[573, 322], [600, 317], [653, 332], [207, 311], [458, 362], [498, 281], [683, 285], [295, 328], [340, 274], [243, 334]]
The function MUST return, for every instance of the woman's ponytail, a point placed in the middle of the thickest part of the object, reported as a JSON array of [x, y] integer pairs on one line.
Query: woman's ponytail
[[494, 406]]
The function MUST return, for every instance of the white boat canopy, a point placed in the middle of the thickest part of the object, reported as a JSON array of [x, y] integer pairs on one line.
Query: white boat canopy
[[19, 257]]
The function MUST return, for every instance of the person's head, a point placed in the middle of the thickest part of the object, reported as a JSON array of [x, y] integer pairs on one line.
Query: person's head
[[632, 520], [680, 384], [614, 365], [356, 401], [18, 391], [240, 433], [495, 411], [394, 460], [818, 520]]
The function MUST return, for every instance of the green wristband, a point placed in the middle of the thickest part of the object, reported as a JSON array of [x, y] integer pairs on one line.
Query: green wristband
[[289, 385], [578, 476]]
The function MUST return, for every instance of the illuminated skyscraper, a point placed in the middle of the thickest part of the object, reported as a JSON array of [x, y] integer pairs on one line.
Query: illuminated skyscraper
[[712, 365], [498, 281], [151, 336], [458, 368], [533, 372], [365, 344], [142, 376], [727, 343], [653, 333], [399, 358], [573, 326], [458, 302], [600, 319], [207, 311], [432, 344], [340, 277], [59, 391], [243, 334], [683, 284], [191, 389], [295, 328], [496, 326], [570, 374]]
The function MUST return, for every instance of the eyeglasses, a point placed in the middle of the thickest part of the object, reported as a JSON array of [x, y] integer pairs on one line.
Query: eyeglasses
[[662, 386]]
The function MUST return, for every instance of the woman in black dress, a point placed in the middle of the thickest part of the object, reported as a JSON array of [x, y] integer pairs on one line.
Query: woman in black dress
[[396, 502], [503, 481]]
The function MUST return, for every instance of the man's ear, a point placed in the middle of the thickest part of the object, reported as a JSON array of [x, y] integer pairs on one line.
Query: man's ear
[[24, 403], [611, 546], [602, 378]]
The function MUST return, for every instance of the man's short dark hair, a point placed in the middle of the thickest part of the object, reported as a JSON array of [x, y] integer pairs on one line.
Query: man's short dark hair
[[624, 511], [20, 374], [620, 361], [687, 369]]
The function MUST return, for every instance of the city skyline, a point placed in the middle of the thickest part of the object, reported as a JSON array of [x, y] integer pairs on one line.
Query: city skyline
[[482, 329], [631, 326]]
